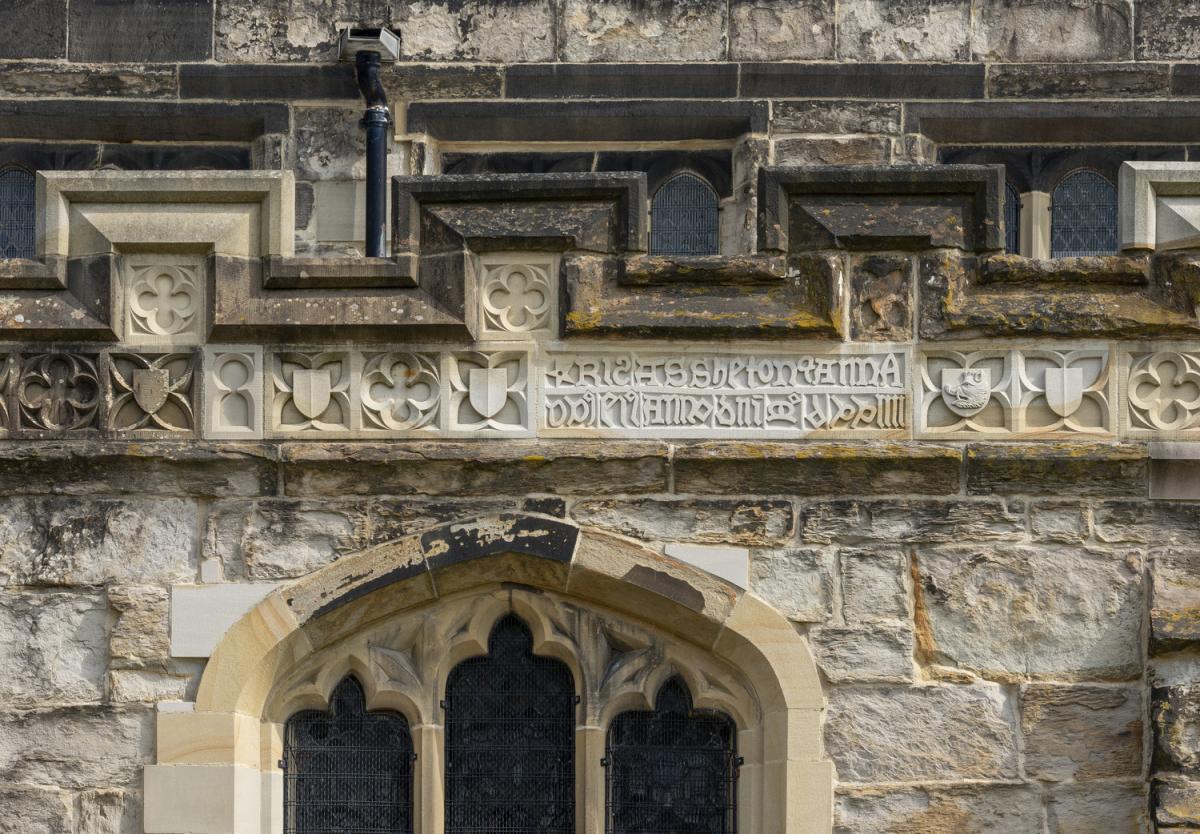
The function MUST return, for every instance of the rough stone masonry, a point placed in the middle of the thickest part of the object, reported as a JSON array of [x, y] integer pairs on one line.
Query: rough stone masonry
[[992, 550]]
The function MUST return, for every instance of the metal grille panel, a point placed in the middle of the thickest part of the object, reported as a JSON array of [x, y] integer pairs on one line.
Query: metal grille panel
[[672, 770], [684, 218], [17, 200], [1083, 216], [510, 740], [347, 771], [1012, 220]]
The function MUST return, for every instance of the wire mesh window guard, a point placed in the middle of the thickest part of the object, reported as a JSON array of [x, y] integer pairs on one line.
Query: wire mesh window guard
[[510, 740], [1083, 216], [1012, 220], [347, 771], [672, 770], [16, 212], [684, 218]]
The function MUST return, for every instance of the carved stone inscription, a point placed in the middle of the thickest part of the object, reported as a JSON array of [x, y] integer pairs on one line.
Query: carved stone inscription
[[657, 393]]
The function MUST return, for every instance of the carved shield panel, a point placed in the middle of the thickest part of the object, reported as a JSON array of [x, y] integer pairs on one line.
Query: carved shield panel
[[966, 391], [310, 391], [150, 387], [488, 390], [1064, 390]]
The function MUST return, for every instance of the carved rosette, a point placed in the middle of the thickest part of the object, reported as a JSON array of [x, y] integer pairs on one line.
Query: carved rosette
[[58, 392], [1164, 391], [401, 391], [311, 392], [150, 394]]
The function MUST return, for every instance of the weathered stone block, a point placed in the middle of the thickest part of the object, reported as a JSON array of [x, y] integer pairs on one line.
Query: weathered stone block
[[134, 686], [62, 541], [269, 31], [1015, 612], [874, 585], [79, 747], [140, 636], [45, 80], [909, 734], [141, 30], [1162, 523], [1051, 30], [329, 144], [1175, 597], [904, 30], [1081, 733], [30, 809], [35, 29], [881, 298], [653, 30], [849, 150], [1077, 80], [1088, 808], [755, 522], [52, 647], [1057, 469], [845, 116], [438, 30], [1177, 801], [109, 811], [282, 538], [987, 809], [796, 581], [872, 654], [775, 30], [1069, 523], [1167, 29], [848, 521], [1175, 712]]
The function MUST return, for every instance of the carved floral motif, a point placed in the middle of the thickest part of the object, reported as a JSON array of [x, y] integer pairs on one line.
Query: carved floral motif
[[1164, 391], [163, 302], [401, 391], [516, 298], [58, 392]]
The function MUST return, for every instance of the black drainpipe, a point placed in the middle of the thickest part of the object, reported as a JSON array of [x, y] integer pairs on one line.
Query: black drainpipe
[[376, 120]]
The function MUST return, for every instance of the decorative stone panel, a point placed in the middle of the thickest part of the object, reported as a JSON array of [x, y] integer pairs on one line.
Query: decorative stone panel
[[233, 392], [163, 299], [489, 393], [313, 392], [57, 393], [1159, 205], [1015, 392], [1162, 391], [150, 395], [517, 296]]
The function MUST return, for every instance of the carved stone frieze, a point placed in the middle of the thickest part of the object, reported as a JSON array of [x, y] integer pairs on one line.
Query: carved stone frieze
[[58, 392], [517, 296], [313, 392], [1162, 389], [233, 392], [401, 391], [1017, 392], [150, 395], [490, 392]]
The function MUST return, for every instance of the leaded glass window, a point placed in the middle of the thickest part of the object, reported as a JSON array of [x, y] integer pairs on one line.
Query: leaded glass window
[[346, 770], [510, 740], [17, 199], [1083, 216], [1012, 220], [684, 218], [673, 769]]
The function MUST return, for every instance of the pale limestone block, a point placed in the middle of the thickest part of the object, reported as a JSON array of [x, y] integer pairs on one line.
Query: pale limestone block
[[164, 299], [904, 30], [1088, 808], [881, 652], [1035, 225], [987, 809], [1159, 205], [137, 686], [209, 738], [730, 563], [76, 747], [201, 614], [799, 582], [202, 799], [874, 585], [1082, 733], [773, 30], [140, 636], [52, 648], [233, 392]]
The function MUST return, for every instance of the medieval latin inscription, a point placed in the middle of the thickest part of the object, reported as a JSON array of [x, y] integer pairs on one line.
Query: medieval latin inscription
[[664, 394]]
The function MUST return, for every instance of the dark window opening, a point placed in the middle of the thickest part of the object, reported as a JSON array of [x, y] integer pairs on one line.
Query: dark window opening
[[1083, 216], [1012, 220], [510, 740], [17, 202], [347, 771], [673, 769], [685, 218]]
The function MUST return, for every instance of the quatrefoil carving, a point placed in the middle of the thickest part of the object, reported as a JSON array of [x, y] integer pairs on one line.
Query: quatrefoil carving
[[163, 303], [517, 298], [1164, 391]]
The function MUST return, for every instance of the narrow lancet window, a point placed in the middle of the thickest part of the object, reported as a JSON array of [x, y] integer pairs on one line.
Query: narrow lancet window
[[1012, 220], [685, 218], [17, 199], [1083, 216]]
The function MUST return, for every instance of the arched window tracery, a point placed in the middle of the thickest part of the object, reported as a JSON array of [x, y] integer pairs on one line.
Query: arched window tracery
[[17, 202], [685, 217], [1083, 215]]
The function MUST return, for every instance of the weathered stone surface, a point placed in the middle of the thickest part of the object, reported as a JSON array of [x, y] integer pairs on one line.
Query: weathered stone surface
[[266, 31], [653, 30], [1176, 716], [141, 30], [30, 809], [980, 809], [874, 585], [1057, 469], [1087, 809], [904, 30], [43, 80], [77, 747], [329, 143], [132, 686], [52, 647], [849, 521], [909, 734], [281, 538], [881, 298], [774, 30], [1177, 801], [849, 150], [35, 29], [1168, 29], [109, 811], [878, 653], [1162, 523], [1077, 80], [475, 30], [845, 116], [63, 541], [1012, 612], [796, 581], [755, 522], [1069, 523], [1050, 30], [1175, 597], [141, 633], [816, 468], [1081, 733]]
